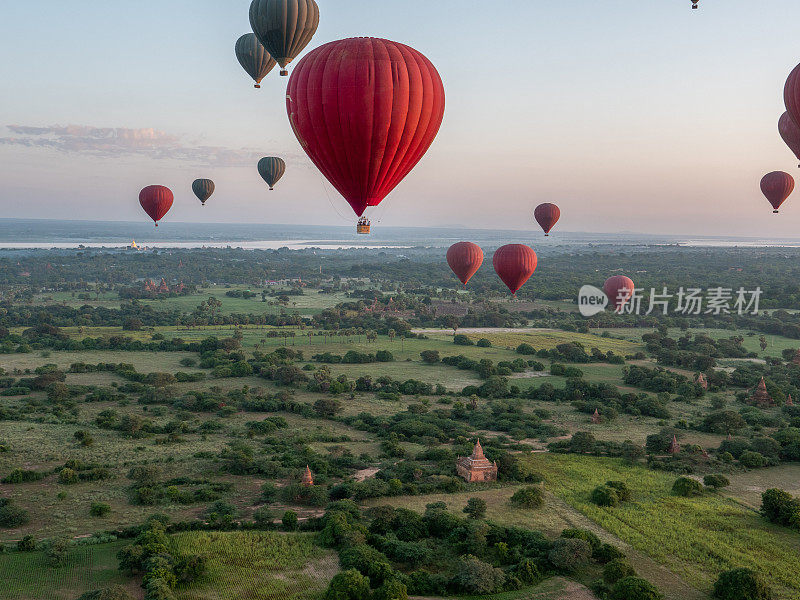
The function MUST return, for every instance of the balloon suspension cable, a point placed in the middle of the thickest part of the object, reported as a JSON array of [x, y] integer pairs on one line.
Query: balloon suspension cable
[[330, 200]]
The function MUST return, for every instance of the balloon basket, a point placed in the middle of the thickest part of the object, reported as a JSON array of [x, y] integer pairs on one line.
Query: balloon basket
[[546, 235], [271, 189], [362, 229], [284, 73], [775, 212], [258, 87]]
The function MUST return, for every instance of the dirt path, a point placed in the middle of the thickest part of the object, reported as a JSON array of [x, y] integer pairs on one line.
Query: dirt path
[[468, 330]]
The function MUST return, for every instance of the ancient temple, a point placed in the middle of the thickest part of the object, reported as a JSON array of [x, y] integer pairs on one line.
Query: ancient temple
[[308, 478], [760, 395], [674, 446], [789, 401], [796, 359], [596, 418], [701, 381], [476, 467]]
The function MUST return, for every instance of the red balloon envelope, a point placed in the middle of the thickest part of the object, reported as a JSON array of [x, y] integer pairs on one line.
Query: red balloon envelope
[[365, 111], [791, 94], [790, 132], [465, 258], [777, 187], [619, 290], [515, 264], [156, 200], [547, 215]]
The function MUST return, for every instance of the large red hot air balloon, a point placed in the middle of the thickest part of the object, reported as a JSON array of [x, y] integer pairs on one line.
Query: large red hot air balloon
[[156, 200], [365, 111], [465, 258], [790, 132], [514, 264], [619, 290], [777, 187], [791, 94], [547, 215]]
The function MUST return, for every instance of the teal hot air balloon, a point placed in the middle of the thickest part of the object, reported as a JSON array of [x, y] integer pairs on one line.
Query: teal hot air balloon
[[254, 58], [203, 189], [271, 169], [284, 27]]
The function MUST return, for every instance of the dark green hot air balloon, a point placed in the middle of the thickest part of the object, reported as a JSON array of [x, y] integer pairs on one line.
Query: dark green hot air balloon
[[284, 27], [271, 170], [203, 189], [254, 58]]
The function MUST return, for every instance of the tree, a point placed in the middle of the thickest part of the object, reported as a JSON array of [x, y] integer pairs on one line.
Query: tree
[[741, 584], [99, 509], [348, 585], [115, 592], [686, 487], [462, 340], [11, 515], [570, 554], [604, 495], [752, 460], [57, 552], [477, 577], [392, 589], [327, 407], [634, 588], [475, 508], [530, 497]]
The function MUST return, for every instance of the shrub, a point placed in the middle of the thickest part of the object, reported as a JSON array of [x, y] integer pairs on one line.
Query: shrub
[[27, 544], [290, 520], [604, 495], [99, 509], [483, 343], [623, 492], [393, 589], [430, 357], [526, 349], [11, 515], [616, 570], [686, 487], [716, 481], [67, 476], [634, 588], [585, 535], [57, 552], [741, 584], [348, 585], [530, 497], [570, 554], [115, 592], [384, 356], [607, 553], [752, 460], [462, 340], [780, 507]]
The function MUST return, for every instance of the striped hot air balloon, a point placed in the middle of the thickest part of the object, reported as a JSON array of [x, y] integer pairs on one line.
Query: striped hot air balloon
[[271, 169]]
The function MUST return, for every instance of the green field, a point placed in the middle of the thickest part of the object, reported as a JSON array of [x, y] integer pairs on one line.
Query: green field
[[696, 538], [29, 575]]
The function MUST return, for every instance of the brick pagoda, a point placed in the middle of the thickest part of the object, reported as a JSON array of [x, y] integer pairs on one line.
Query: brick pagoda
[[760, 395], [476, 467]]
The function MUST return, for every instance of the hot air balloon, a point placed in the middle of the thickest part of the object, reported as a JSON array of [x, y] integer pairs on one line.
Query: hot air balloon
[[284, 27], [254, 58], [271, 169], [619, 290], [547, 215], [790, 132], [365, 110], [156, 200], [514, 264], [791, 94], [777, 187], [465, 258], [203, 189]]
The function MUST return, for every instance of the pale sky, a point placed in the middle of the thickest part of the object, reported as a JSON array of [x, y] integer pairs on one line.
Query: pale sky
[[632, 115]]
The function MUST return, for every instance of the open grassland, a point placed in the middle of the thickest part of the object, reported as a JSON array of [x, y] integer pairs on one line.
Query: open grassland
[[541, 339], [775, 343], [29, 575], [257, 566], [748, 486], [697, 538]]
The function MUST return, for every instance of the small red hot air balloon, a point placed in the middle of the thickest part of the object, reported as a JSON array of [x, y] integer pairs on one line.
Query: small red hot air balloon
[[619, 290], [547, 215], [777, 187], [156, 200], [790, 132], [514, 264], [465, 258]]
